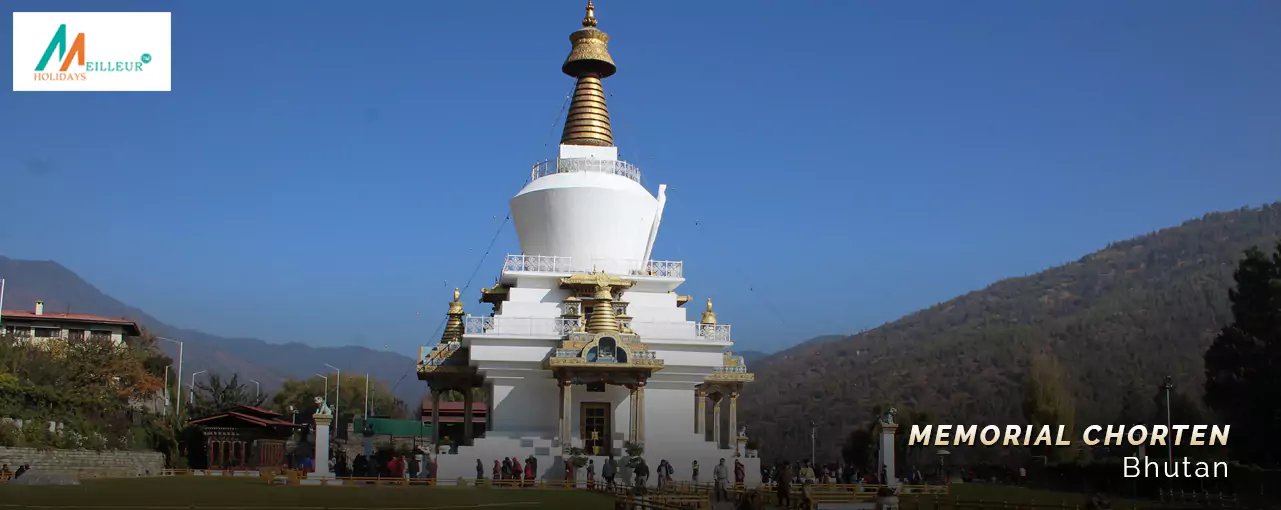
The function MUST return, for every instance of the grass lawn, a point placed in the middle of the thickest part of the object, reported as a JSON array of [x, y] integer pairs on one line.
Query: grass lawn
[[999, 494], [253, 493]]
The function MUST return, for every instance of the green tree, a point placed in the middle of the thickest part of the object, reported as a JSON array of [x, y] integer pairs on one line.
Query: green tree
[[218, 395], [1241, 382], [859, 449], [301, 394], [1047, 400]]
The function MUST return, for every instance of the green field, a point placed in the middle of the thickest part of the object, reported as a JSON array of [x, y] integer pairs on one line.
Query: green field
[[253, 493]]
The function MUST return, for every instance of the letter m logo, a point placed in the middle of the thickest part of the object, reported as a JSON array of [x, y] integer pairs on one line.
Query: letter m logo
[[59, 43]]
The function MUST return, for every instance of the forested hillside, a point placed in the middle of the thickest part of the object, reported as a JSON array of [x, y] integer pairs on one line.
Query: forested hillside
[[1118, 321]]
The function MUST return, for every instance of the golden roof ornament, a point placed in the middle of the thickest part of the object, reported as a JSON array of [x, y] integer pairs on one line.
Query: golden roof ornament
[[589, 62], [454, 326], [709, 317]]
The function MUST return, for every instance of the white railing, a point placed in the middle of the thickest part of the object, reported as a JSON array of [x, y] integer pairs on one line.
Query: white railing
[[682, 331], [738, 370], [565, 326], [521, 326], [669, 268], [570, 165], [714, 332], [554, 264]]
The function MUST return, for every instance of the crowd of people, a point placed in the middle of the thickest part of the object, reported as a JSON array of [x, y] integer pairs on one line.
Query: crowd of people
[[6, 474]]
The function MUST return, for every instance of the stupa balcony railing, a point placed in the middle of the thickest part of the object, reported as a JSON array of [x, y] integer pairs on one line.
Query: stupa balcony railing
[[568, 265], [692, 331], [590, 165], [731, 370], [521, 326]]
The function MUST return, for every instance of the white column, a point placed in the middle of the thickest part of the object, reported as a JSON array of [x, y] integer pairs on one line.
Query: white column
[[733, 419], [567, 393], [887, 452], [321, 460], [700, 416], [716, 419], [640, 411]]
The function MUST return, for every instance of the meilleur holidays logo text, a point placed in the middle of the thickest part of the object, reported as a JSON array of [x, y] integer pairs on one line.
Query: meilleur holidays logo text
[[91, 51], [1058, 436]]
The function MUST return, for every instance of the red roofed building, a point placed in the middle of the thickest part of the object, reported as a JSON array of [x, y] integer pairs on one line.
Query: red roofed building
[[38, 324], [245, 437]]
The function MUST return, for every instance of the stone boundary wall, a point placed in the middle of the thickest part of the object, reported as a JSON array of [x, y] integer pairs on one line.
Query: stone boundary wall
[[85, 463]]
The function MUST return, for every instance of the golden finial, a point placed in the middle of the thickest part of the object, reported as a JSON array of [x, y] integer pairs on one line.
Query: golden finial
[[589, 62], [456, 294], [709, 317], [590, 19]]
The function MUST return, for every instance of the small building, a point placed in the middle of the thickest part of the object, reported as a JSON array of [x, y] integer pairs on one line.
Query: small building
[[244, 437], [452, 420], [38, 325]]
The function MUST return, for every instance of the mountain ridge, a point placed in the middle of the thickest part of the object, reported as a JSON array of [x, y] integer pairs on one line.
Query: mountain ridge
[[1119, 319], [267, 362]]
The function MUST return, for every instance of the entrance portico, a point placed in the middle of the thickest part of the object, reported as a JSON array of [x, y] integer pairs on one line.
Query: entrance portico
[[604, 353]]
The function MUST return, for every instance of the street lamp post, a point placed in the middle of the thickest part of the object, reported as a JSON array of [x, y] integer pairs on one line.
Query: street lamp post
[[257, 389], [1168, 384], [813, 438], [326, 378], [178, 411], [192, 396], [337, 396]]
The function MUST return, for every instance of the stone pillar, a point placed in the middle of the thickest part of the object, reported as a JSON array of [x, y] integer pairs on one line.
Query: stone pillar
[[567, 414], [700, 408], [435, 419], [632, 415], [716, 419], [467, 416], [321, 460], [886, 455], [640, 412], [733, 419]]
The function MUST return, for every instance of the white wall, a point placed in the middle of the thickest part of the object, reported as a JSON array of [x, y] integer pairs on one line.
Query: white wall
[[526, 406], [585, 215]]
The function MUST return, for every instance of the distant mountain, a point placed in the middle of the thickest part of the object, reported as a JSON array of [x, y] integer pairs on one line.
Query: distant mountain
[[1118, 320], [27, 281]]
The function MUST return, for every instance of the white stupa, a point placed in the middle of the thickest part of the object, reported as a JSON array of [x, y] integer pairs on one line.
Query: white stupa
[[588, 346]]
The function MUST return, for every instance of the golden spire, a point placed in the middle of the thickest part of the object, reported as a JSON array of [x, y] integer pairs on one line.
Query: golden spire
[[589, 62], [709, 317], [602, 319], [454, 326]]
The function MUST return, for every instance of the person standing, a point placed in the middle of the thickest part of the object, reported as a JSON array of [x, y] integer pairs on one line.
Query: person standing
[[591, 474], [785, 485], [740, 474], [480, 471], [695, 472], [641, 473], [720, 475], [608, 471]]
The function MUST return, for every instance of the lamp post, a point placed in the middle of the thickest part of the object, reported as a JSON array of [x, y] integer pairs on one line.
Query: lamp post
[[337, 395], [326, 378], [1, 299], [1168, 384], [813, 436], [178, 411], [192, 396], [257, 389]]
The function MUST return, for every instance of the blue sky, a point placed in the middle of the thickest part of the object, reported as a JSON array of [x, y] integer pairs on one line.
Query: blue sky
[[327, 172]]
